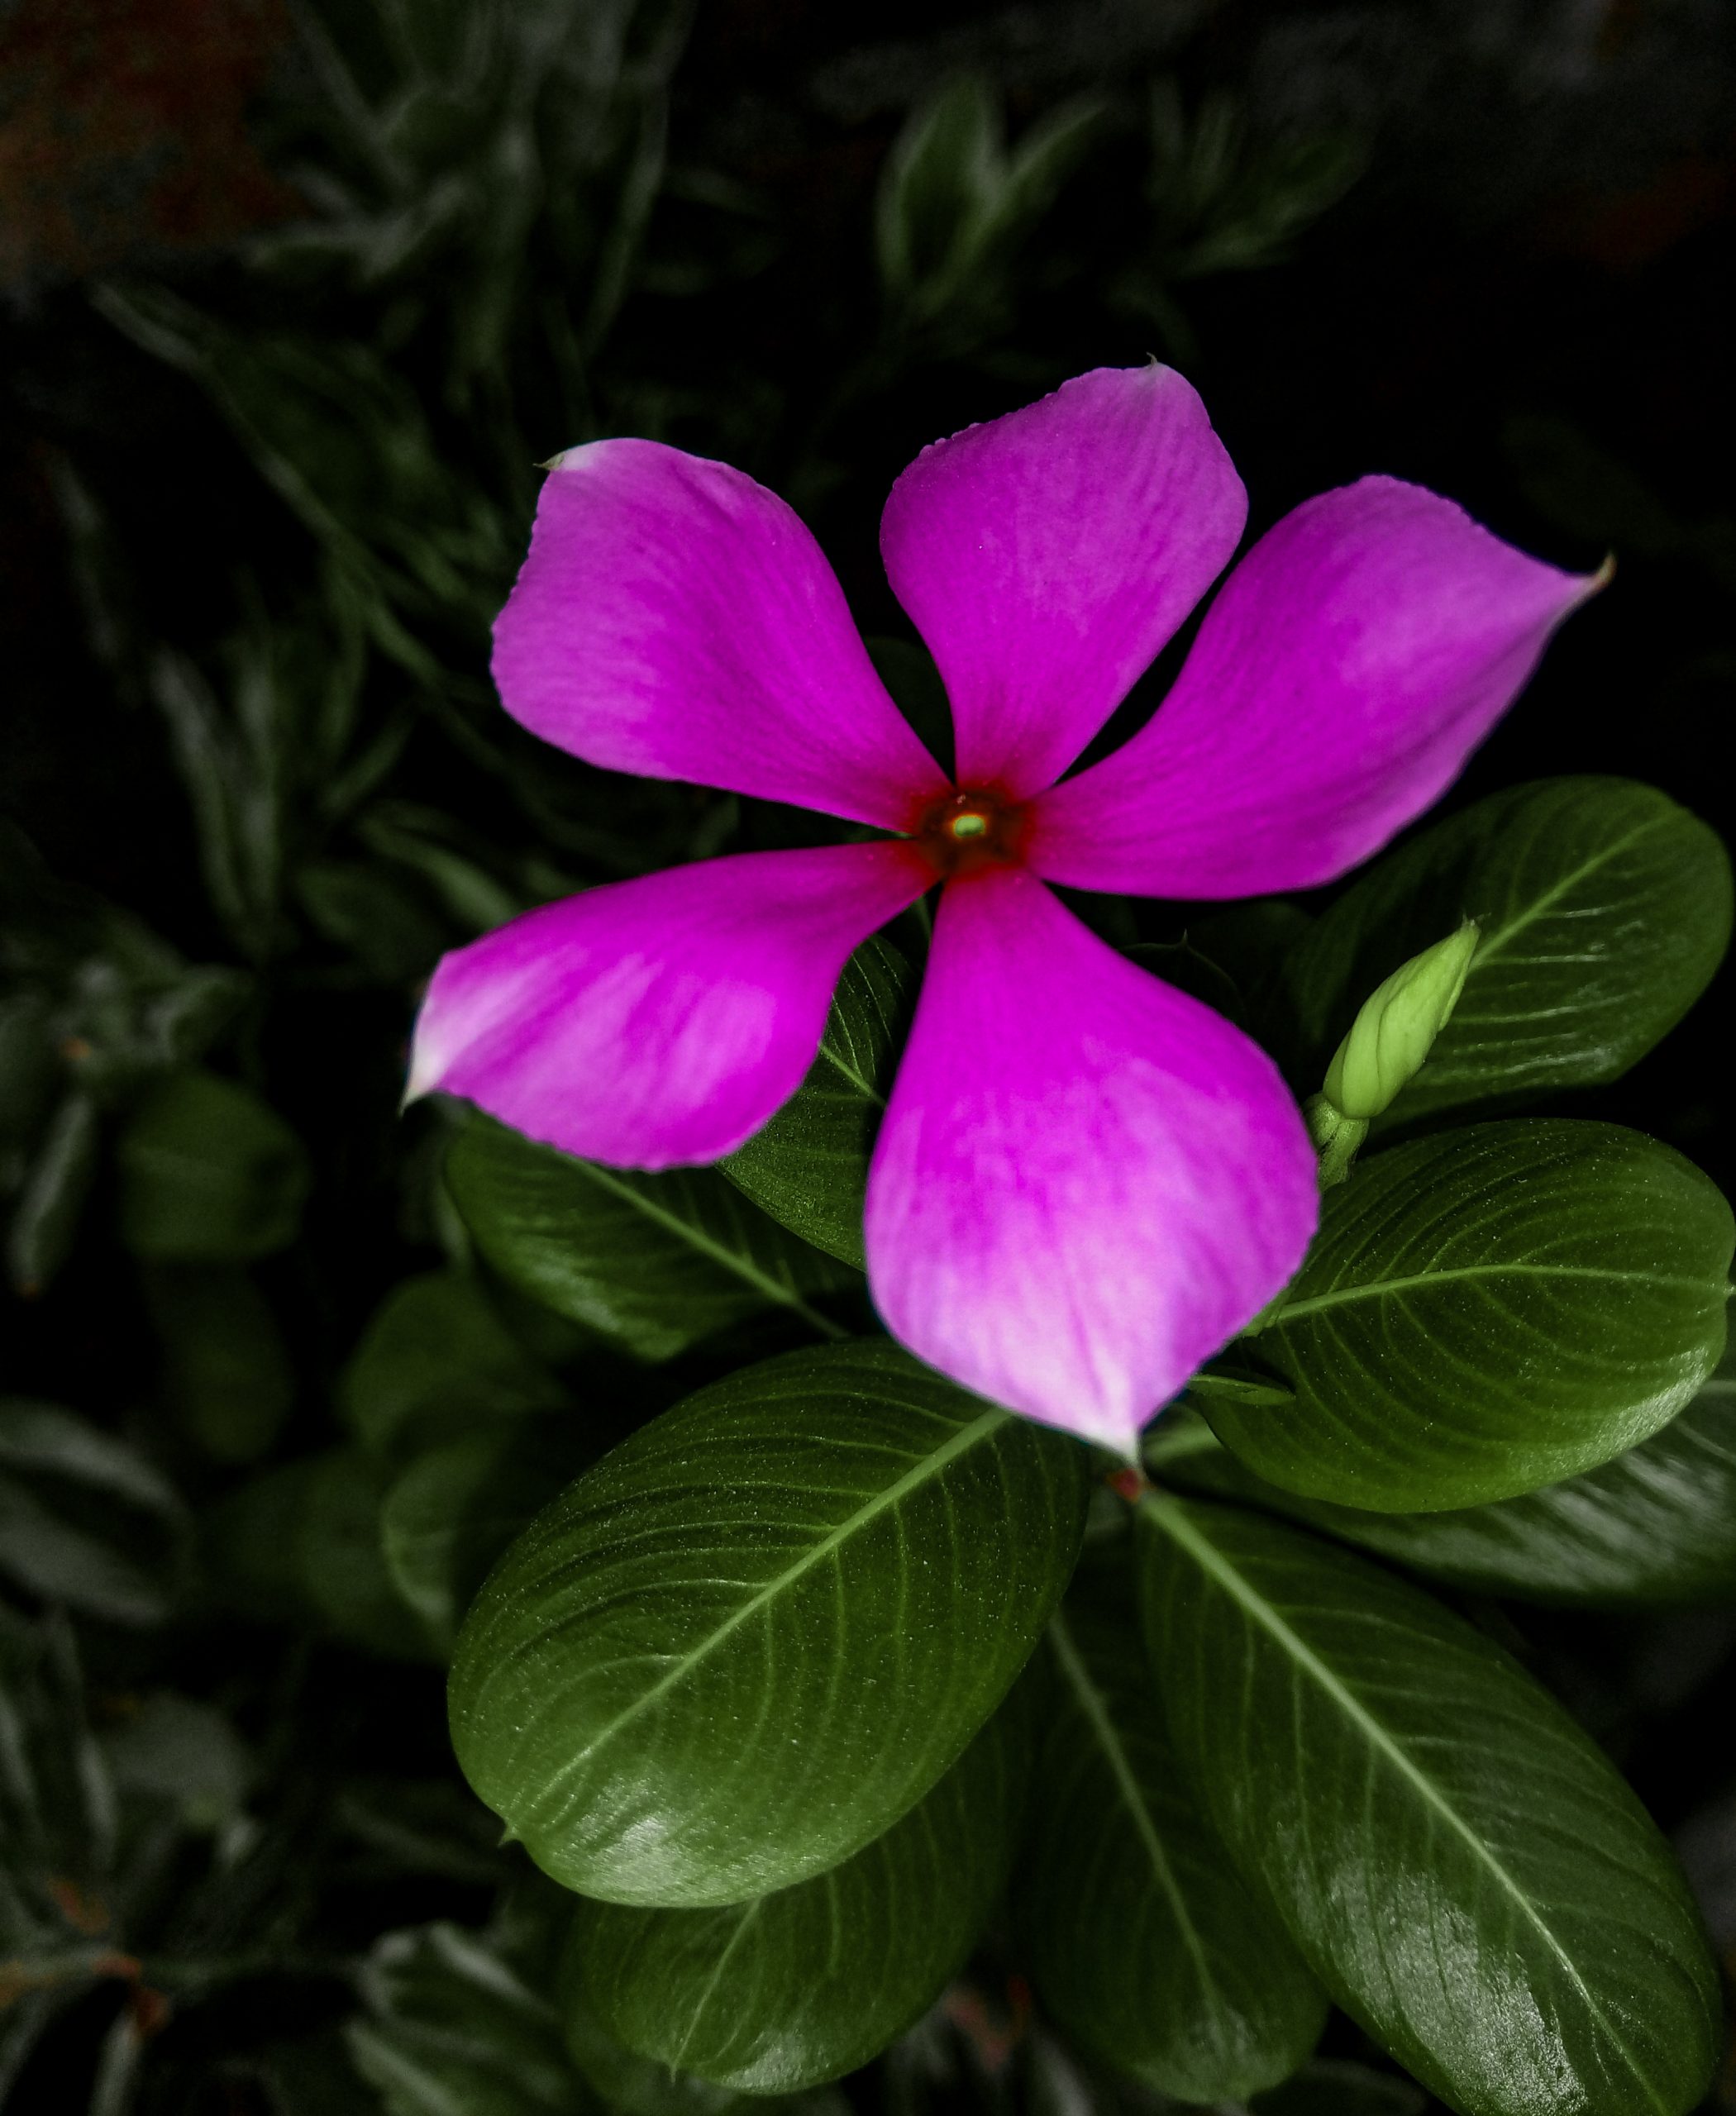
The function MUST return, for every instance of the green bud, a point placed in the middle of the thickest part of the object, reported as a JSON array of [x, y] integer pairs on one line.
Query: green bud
[[1397, 1026]]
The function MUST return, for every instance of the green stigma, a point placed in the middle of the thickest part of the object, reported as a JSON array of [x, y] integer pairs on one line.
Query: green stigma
[[969, 825]]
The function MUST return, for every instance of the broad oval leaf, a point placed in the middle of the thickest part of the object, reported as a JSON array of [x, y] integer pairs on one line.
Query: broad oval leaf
[[793, 1989], [1142, 1940], [808, 1167], [1604, 909], [1457, 1860], [1655, 1527], [301, 1545], [656, 1262], [756, 1633], [435, 1362], [1488, 1311], [209, 1173], [451, 1514]]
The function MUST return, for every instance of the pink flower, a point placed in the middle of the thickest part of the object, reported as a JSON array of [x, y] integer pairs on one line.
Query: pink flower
[[1086, 1182]]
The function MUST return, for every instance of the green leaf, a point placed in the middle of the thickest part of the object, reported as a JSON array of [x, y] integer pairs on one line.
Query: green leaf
[[451, 2029], [226, 1373], [1142, 1939], [452, 1513], [436, 1361], [85, 1519], [1488, 1311], [808, 1167], [46, 1219], [1457, 1860], [57, 1561], [656, 1262], [759, 1630], [625, 2082], [301, 1545], [209, 1173], [1330, 2086], [790, 1989], [1604, 909], [1656, 1526]]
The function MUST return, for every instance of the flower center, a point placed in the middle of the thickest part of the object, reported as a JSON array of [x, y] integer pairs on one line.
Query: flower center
[[972, 829]]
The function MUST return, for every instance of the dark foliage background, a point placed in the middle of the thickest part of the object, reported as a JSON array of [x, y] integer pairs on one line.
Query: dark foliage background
[[293, 303]]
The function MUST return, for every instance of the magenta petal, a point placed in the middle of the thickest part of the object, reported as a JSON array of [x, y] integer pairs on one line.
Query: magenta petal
[[1349, 665], [676, 620], [661, 1020], [1046, 556], [1086, 1182]]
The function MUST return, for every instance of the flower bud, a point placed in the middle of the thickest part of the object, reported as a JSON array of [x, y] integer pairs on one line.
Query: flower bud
[[1397, 1026]]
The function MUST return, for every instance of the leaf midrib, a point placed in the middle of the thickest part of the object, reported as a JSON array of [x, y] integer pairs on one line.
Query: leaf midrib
[[931, 1464], [1497, 941], [1183, 1530], [1377, 1289], [1091, 1704], [731, 1260]]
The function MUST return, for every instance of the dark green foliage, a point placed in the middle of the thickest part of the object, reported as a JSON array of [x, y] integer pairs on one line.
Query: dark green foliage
[[1655, 1527], [655, 1262], [296, 1373], [1142, 1939], [808, 1167], [1488, 1310], [788, 1990], [1547, 1955], [837, 1555], [209, 1174], [1604, 910]]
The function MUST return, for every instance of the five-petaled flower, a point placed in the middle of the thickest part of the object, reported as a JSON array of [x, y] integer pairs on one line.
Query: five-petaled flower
[[1086, 1182]]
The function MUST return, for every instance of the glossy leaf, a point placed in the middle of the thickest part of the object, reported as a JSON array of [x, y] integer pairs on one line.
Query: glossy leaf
[[1656, 1526], [656, 1262], [1459, 1863], [1141, 1938], [1486, 1311], [209, 1173], [1604, 908], [793, 1989], [759, 1630], [808, 1167], [451, 1514]]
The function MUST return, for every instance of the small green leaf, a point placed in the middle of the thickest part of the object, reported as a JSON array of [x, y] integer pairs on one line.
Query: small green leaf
[[1604, 909], [435, 1361], [301, 1545], [209, 1173], [808, 1167], [790, 1989], [1141, 1938], [56, 1561], [1488, 1311], [85, 1519], [46, 1219], [1656, 1526], [657, 1262], [452, 1513], [759, 1630], [450, 2028], [226, 1369], [1458, 1862]]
